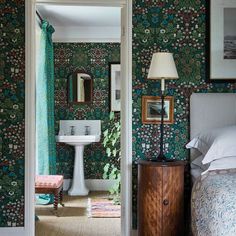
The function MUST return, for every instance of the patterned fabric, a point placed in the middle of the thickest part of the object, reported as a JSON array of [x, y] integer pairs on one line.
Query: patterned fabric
[[48, 181], [45, 131], [214, 204]]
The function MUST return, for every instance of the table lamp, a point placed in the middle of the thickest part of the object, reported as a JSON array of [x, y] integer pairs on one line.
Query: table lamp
[[162, 68]]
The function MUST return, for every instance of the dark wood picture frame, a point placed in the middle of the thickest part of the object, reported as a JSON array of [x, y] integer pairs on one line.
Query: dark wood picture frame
[[110, 85], [76, 71], [208, 48], [146, 99]]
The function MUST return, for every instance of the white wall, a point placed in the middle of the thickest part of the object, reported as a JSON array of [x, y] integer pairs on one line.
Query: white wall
[[87, 34]]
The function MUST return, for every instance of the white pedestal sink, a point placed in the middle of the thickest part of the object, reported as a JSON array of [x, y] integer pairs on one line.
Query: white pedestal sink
[[78, 187]]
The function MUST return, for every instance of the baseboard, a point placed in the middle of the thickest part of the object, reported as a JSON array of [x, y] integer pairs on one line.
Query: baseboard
[[93, 184], [12, 231]]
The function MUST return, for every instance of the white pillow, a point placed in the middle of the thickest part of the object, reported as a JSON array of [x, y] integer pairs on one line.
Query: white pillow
[[195, 173], [203, 141], [222, 164], [223, 146], [198, 144], [197, 163]]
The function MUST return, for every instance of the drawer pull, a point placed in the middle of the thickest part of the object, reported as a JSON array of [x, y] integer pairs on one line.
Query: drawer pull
[[165, 202]]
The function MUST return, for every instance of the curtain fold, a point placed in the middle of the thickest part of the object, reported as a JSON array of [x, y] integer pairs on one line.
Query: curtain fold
[[45, 129]]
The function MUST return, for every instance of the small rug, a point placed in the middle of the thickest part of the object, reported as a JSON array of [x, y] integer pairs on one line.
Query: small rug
[[102, 208]]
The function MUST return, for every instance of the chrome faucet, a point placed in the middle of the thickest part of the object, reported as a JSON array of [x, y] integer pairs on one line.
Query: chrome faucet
[[87, 130], [72, 131]]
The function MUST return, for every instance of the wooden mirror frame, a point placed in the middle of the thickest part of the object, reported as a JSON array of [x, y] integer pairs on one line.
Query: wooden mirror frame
[[77, 71]]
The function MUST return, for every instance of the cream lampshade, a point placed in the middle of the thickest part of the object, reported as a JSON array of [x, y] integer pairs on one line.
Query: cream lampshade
[[162, 67]]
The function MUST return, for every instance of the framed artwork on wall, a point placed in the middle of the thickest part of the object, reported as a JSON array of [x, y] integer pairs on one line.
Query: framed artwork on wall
[[151, 110], [221, 41], [115, 86]]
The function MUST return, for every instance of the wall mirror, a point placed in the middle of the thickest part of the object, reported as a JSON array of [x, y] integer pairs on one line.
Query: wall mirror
[[80, 87]]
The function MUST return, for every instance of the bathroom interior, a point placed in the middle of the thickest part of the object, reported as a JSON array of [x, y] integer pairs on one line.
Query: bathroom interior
[[78, 119]]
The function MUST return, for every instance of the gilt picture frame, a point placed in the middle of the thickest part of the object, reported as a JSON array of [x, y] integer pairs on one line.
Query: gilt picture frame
[[151, 110], [221, 41]]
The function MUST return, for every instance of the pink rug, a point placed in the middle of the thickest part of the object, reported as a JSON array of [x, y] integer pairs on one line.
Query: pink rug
[[102, 208]]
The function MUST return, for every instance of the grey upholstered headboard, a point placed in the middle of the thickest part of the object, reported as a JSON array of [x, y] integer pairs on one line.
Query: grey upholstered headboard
[[209, 111]]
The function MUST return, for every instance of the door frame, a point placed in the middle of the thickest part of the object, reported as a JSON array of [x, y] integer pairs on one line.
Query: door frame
[[126, 114]]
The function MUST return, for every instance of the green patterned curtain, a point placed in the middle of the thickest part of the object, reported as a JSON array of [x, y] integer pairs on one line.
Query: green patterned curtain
[[45, 132]]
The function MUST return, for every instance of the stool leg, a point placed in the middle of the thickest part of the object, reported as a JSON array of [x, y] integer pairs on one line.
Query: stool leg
[[61, 197], [55, 204]]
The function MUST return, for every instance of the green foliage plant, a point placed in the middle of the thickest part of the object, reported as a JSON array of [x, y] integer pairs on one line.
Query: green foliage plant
[[111, 142]]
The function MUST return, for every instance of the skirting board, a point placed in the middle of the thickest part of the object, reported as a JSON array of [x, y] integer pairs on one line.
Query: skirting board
[[7, 231], [92, 184]]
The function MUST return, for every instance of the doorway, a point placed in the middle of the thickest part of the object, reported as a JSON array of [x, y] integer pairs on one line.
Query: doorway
[[126, 122]]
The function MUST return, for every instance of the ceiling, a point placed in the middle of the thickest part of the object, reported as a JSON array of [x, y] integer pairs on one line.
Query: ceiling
[[83, 23], [80, 16]]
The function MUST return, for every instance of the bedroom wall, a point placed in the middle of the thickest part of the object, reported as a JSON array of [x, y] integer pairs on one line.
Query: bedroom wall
[[175, 17], [12, 83], [95, 58], [178, 27]]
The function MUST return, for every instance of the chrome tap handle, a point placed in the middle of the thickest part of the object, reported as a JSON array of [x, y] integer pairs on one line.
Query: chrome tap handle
[[87, 130], [72, 131]]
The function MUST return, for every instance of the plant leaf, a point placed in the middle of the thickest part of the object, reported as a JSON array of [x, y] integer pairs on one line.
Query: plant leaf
[[108, 151], [105, 132], [114, 152], [112, 115]]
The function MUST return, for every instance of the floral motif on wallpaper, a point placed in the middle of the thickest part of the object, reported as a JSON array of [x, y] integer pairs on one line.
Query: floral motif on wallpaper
[[95, 58], [177, 27], [12, 76]]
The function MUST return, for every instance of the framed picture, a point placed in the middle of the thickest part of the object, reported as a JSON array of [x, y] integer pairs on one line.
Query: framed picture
[[221, 40], [115, 86], [151, 110]]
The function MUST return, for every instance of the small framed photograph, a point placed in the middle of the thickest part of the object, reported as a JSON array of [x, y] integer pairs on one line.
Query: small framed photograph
[[221, 40], [115, 86], [151, 110]]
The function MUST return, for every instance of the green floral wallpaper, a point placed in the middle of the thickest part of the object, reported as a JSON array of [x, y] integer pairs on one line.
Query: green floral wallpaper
[[174, 25], [12, 77], [177, 26], [95, 58]]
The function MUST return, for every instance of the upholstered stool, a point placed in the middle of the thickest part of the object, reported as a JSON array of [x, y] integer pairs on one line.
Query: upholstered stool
[[50, 184]]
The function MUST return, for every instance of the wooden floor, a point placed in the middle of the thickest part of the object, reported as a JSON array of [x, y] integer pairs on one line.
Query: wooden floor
[[73, 220]]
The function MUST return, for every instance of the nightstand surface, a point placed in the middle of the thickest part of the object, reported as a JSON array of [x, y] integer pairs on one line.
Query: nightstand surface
[[168, 163]]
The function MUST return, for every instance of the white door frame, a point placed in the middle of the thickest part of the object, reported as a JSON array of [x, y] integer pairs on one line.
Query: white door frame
[[126, 115]]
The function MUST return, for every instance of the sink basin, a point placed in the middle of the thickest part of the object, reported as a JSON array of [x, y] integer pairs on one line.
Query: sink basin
[[75, 140], [78, 187]]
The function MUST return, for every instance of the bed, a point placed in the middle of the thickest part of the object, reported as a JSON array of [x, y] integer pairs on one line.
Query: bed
[[213, 200]]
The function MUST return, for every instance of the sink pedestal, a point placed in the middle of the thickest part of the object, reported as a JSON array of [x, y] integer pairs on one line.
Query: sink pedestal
[[78, 187], [79, 140]]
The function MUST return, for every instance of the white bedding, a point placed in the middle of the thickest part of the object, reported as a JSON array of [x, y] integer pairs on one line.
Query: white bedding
[[195, 173], [197, 168], [213, 207]]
